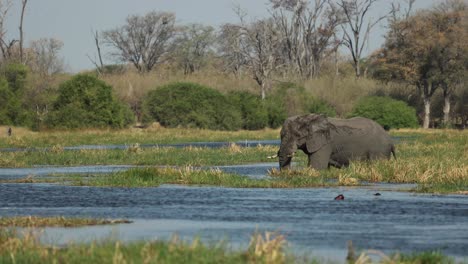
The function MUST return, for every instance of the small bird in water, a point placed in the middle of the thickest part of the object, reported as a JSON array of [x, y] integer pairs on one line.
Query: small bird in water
[[339, 197], [377, 194]]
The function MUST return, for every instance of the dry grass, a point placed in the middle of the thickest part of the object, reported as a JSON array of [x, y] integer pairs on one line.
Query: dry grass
[[269, 247], [341, 93]]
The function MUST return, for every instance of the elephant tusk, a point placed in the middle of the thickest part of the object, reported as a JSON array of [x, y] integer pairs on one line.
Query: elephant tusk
[[273, 157], [291, 155]]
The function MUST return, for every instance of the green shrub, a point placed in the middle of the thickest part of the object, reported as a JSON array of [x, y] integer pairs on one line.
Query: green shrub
[[87, 102], [253, 112], [11, 110], [276, 110], [192, 105], [16, 76], [319, 106], [388, 112], [290, 99]]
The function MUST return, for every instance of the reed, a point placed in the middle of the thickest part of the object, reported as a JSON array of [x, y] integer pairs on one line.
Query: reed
[[271, 248]]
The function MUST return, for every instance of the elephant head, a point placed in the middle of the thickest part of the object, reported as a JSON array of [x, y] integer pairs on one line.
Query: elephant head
[[308, 133]]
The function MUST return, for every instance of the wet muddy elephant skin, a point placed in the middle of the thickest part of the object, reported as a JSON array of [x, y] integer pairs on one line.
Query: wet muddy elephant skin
[[332, 141]]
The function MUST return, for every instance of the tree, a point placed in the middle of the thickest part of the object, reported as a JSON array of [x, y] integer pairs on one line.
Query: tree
[[46, 60], [143, 40], [307, 33], [192, 46], [21, 38], [450, 49], [356, 29], [6, 46], [425, 50], [230, 49], [87, 102]]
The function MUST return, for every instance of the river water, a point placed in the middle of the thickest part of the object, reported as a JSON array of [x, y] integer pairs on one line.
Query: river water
[[310, 219]]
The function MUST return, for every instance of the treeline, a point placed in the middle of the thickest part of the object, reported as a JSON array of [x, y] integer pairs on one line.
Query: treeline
[[305, 57]]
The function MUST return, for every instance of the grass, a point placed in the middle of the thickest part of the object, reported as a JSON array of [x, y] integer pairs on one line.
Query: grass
[[263, 248], [34, 221], [435, 160], [135, 155], [27, 248], [155, 176], [155, 134]]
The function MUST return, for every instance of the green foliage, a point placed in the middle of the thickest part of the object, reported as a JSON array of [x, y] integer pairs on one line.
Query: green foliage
[[387, 112], [16, 75], [432, 257], [192, 105], [276, 111], [289, 99], [11, 111], [319, 106], [252, 108], [87, 102]]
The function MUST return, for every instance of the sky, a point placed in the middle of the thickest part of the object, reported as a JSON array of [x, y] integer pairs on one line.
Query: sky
[[72, 21]]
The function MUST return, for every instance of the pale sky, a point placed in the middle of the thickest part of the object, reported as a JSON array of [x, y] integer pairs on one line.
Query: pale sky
[[72, 21]]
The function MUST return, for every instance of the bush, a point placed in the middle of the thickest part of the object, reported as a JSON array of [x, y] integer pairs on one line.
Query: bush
[[192, 105], [252, 109], [386, 111], [290, 99], [318, 106], [87, 102], [16, 75]]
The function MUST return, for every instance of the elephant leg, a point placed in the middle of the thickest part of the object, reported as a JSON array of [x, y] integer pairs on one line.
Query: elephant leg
[[319, 160]]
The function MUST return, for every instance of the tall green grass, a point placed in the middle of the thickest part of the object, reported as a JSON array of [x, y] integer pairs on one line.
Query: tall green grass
[[154, 134], [135, 155]]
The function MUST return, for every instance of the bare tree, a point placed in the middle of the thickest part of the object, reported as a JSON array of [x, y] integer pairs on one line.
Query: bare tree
[[6, 46], [308, 32], [230, 49], [21, 38], [143, 40], [260, 48], [192, 46], [357, 28], [46, 60], [98, 64]]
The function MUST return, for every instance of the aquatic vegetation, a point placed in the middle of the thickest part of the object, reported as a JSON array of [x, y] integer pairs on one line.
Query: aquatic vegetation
[[436, 160], [151, 135], [269, 248], [136, 155], [59, 221]]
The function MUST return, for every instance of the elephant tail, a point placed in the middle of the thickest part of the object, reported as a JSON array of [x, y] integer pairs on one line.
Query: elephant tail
[[393, 151]]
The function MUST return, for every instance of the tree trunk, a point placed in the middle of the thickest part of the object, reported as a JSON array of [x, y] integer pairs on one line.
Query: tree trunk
[[358, 69], [446, 120], [427, 112], [263, 90]]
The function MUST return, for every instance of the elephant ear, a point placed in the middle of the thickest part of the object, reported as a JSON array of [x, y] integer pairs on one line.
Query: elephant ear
[[319, 134]]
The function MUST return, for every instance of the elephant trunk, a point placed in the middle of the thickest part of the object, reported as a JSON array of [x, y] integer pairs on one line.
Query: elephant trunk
[[284, 162], [285, 155]]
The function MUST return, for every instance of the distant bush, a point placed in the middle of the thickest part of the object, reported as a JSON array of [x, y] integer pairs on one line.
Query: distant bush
[[318, 106], [289, 99], [252, 109], [16, 76], [192, 105], [10, 106], [87, 102], [276, 109], [388, 112]]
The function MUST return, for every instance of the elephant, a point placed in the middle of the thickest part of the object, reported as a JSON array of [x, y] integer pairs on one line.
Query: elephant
[[332, 141]]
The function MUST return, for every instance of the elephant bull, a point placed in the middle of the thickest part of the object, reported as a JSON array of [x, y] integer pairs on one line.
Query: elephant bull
[[332, 141]]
